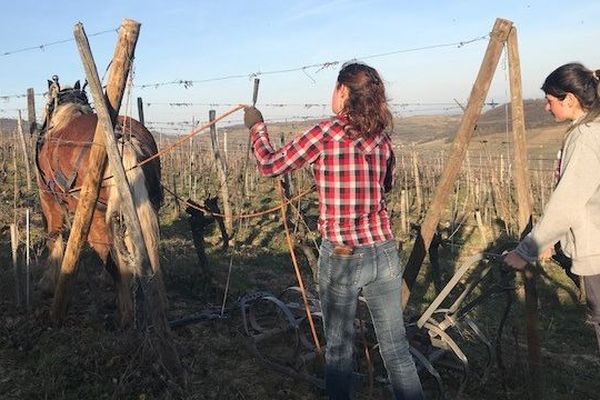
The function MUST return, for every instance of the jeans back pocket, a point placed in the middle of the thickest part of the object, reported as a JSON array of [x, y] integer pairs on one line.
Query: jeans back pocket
[[392, 260], [342, 270]]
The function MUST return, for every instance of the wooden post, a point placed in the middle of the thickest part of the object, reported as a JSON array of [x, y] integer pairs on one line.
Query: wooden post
[[27, 259], [140, 105], [90, 189], [418, 187], [222, 176], [403, 217], [465, 130], [523, 186], [190, 164], [16, 187], [150, 285], [24, 149], [520, 174], [225, 152], [14, 243], [245, 190], [287, 183], [175, 195], [31, 111], [140, 258]]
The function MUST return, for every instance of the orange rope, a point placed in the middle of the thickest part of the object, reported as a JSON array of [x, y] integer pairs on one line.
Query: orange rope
[[290, 244], [241, 216], [190, 135], [193, 133], [282, 207]]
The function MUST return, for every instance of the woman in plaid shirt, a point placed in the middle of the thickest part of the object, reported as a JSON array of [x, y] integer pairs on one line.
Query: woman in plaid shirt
[[353, 163]]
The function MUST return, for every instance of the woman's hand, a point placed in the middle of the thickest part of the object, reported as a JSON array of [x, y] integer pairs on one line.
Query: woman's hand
[[252, 117], [546, 254], [515, 261]]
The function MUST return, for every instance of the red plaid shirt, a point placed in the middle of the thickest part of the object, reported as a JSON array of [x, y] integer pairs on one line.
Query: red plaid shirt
[[350, 175]]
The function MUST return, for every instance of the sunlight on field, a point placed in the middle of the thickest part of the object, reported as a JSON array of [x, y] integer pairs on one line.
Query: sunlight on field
[[91, 348]]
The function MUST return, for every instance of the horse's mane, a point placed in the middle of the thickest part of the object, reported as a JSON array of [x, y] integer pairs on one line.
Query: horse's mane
[[65, 113]]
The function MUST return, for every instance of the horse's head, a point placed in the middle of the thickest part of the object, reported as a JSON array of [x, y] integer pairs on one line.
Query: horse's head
[[64, 103]]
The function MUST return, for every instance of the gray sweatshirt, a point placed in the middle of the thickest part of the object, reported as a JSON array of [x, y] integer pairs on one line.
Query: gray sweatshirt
[[572, 214]]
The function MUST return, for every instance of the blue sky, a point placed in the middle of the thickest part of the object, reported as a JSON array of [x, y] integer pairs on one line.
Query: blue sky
[[202, 40]]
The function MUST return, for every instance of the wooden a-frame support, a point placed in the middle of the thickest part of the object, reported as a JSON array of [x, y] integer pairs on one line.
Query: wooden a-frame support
[[502, 33], [107, 107], [97, 161]]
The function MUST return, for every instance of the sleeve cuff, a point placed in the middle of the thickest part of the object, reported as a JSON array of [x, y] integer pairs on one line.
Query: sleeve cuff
[[258, 130], [528, 249]]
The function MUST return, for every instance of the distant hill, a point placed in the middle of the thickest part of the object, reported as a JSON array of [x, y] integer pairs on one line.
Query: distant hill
[[416, 129], [425, 128], [7, 126], [495, 120]]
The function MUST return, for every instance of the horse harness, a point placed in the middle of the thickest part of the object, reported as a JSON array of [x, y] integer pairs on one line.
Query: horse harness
[[59, 183]]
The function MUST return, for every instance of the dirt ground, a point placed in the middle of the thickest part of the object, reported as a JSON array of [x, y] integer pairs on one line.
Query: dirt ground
[[89, 356]]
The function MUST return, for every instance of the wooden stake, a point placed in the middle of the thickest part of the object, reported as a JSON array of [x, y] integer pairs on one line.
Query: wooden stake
[[246, 190], [520, 174], [27, 258], [151, 285], [14, 229], [31, 111], [90, 189], [403, 217], [24, 150], [105, 125], [191, 162], [465, 130], [222, 175], [255, 91], [16, 191], [175, 196], [482, 231], [225, 152], [287, 182], [140, 105], [14, 242], [523, 188], [418, 186]]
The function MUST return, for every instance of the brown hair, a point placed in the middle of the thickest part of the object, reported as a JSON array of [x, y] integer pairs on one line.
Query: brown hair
[[576, 79], [366, 105]]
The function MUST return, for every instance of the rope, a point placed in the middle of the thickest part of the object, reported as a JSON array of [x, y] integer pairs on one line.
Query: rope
[[290, 244], [193, 133], [241, 216]]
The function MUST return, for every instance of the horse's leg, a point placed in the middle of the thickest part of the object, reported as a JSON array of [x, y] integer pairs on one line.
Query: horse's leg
[[100, 238], [53, 215]]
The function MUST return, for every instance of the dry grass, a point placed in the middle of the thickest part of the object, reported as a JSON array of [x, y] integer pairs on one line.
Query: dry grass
[[90, 357]]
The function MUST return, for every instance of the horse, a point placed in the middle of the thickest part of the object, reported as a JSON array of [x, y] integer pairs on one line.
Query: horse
[[62, 151]]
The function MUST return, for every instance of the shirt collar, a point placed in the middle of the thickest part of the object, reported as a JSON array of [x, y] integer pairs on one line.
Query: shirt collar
[[365, 145]]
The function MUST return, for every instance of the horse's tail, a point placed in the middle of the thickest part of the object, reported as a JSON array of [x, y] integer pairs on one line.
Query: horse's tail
[[147, 213]]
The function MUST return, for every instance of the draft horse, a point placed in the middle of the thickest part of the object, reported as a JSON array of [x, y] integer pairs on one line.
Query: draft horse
[[62, 152]]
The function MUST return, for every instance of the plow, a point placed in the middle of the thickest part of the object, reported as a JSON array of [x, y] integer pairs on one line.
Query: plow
[[450, 347]]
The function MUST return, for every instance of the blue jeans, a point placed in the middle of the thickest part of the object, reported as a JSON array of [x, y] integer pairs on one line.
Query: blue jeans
[[375, 270]]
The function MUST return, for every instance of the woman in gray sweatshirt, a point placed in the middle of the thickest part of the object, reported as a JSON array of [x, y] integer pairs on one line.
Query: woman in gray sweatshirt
[[572, 215]]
